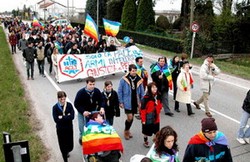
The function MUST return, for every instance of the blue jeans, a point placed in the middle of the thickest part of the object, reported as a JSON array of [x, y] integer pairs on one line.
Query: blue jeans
[[242, 133], [81, 124]]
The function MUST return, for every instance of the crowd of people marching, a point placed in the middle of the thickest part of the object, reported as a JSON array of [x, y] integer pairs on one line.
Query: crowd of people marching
[[136, 95]]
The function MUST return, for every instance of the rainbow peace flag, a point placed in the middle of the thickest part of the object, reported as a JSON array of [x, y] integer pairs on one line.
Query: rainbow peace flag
[[35, 22], [166, 71], [111, 27], [69, 27], [90, 28], [100, 137]]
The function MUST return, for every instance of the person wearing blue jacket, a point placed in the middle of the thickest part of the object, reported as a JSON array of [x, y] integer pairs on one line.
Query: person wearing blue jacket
[[130, 94]]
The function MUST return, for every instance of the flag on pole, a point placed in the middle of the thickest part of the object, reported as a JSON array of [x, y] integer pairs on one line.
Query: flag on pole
[[111, 27], [35, 22], [90, 28], [69, 27]]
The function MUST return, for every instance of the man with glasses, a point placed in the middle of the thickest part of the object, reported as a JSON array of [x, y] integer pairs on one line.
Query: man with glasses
[[208, 71]]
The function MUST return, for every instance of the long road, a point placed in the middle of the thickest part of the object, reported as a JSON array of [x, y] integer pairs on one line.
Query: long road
[[225, 103]]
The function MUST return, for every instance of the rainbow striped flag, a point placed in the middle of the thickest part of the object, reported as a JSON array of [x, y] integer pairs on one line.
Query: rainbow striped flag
[[69, 27], [90, 28], [100, 137], [35, 22], [111, 27], [166, 71]]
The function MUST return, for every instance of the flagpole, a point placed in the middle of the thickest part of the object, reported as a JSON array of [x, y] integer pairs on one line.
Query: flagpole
[[97, 14]]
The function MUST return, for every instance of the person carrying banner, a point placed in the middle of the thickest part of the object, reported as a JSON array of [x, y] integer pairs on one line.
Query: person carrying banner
[[130, 94], [87, 100], [161, 75], [100, 140]]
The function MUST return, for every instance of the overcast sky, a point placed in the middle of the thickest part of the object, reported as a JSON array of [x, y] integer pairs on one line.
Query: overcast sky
[[14, 4]]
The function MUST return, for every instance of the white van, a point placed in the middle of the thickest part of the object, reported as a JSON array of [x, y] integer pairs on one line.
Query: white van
[[61, 22]]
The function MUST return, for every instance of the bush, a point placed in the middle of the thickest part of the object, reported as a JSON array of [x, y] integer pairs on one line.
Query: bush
[[129, 15], [162, 22]]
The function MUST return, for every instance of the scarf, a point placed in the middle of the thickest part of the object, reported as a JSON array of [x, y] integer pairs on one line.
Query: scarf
[[107, 96], [60, 107], [184, 81], [166, 71], [141, 71], [90, 93]]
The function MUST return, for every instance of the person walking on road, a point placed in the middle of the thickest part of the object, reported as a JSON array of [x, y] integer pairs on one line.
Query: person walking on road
[[244, 135], [63, 115], [184, 83], [88, 100], [40, 58], [30, 54], [130, 93], [55, 64], [208, 145], [13, 41], [165, 148], [110, 102], [208, 72], [150, 112], [160, 73]]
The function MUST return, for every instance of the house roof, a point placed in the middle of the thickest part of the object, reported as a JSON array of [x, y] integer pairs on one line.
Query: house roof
[[47, 3]]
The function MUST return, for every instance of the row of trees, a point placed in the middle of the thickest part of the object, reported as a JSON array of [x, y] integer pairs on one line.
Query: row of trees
[[219, 33]]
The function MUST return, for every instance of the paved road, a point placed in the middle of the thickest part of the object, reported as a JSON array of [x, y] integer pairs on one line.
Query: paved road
[[225, 102]]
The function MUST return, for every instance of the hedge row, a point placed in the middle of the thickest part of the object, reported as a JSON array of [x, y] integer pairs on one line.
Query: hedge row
[[170, 44]]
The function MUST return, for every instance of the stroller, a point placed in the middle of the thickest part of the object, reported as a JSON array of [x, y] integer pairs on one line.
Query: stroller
[[101, 143]]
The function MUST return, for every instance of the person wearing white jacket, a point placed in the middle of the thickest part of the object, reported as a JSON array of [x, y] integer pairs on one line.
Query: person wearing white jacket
[[208, 71], [184, 85]]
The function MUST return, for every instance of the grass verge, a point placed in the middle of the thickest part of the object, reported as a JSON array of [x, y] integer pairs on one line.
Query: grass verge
[[239, 67], [16, 116]]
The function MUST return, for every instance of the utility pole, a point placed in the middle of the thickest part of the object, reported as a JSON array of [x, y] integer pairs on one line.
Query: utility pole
[[68, 10], [191, 13]]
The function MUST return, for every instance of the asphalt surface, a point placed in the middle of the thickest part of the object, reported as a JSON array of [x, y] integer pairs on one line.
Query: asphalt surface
[[225, 103]]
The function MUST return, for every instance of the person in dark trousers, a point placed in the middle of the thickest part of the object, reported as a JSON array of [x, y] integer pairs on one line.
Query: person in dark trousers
[[159, 74], [110, 102], [88, 100], [63, 115], [30, 54], [208, 145]]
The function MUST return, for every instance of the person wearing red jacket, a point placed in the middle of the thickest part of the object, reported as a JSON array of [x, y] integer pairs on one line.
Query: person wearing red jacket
[[13, 41], [150, 112]]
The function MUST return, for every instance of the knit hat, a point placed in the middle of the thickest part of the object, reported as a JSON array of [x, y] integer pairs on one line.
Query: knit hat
[[208, 124]]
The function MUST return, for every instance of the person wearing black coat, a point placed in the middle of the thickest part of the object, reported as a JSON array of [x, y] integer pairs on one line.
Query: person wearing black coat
[[88, 100], [244, 134], [63, 115], [110, 102]]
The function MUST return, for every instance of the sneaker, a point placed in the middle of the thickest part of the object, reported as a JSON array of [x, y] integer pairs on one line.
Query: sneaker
[[169, 114], [241, 141], [196, 105], [145, 144], [247, 140], [208, 114]]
